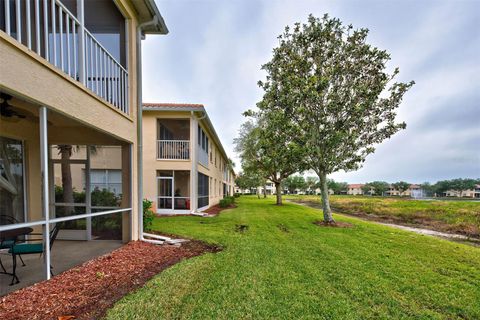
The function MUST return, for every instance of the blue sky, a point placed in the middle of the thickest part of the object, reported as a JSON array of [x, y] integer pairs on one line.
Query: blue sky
[[215, 49]]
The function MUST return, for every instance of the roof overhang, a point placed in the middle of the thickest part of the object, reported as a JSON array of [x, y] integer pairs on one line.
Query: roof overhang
[[147, 11]]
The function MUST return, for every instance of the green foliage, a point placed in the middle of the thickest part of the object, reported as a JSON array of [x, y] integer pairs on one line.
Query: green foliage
[[368, 271], [267, 146], [248, 180], [401, 186], [455, 184], [325, 81], [148, 214], [225, 202], [294, 182], [237, 195], [312, 183], [428, 189], [337, 187], [376, 188]]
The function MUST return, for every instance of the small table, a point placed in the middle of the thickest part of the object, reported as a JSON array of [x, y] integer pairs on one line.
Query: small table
[[12, 235]]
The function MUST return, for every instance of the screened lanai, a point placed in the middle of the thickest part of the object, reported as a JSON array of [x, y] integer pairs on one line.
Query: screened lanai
[[65, 193]]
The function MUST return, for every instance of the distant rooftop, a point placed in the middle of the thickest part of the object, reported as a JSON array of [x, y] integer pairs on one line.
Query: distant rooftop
[[173, 106]]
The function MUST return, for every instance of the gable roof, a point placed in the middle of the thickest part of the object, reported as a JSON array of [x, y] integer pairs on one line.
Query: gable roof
[[355, 186]]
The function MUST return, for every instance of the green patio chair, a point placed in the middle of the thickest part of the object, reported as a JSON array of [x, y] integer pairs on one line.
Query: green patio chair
[[8, 243], [30, 248]]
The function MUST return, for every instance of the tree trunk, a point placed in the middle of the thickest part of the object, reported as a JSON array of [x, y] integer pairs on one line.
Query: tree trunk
[[278, 189], [258, 192], [264, 191], [67, 185], [327, 212]]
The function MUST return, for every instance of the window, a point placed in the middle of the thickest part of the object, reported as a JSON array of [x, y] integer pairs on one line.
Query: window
[[11, 181], [107, 24], [202, 139], [203, 146], [105, 179], [203, 191]]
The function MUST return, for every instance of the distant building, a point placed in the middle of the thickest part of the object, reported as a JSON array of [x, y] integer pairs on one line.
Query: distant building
[[355, 189], [471, 193]]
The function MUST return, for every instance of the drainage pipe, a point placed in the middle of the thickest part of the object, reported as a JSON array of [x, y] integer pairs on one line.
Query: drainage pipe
[[140, 128]]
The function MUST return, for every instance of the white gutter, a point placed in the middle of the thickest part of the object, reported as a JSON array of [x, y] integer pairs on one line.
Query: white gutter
[[140, 128]]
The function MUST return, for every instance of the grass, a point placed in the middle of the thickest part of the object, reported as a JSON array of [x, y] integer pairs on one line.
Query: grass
[[282, 266], [443, 215]]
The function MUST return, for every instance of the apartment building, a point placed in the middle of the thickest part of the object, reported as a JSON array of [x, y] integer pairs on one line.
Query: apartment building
[[471, 193], [185, 167], [70, 84], [355, 189], [414, 191]]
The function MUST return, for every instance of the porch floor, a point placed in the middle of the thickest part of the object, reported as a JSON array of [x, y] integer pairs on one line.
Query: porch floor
[[65, 255]]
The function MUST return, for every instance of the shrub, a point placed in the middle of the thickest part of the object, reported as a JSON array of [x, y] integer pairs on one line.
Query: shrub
[[237, 195], [225, 202], [148, 214]]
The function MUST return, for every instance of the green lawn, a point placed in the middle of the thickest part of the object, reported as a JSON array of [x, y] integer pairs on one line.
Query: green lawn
[[309, 272], [443, 215]]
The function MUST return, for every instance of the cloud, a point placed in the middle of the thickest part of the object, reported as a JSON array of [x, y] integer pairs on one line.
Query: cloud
[[215, 49]]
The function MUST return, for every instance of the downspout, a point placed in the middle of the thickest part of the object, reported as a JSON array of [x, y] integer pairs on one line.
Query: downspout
[[139, 130], [194, 169]]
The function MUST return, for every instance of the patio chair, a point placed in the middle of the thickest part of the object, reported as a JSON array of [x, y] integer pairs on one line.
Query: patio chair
[[31, 248], [8, 243]]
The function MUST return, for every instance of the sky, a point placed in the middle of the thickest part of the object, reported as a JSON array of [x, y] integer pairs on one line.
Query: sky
[[215, 49]]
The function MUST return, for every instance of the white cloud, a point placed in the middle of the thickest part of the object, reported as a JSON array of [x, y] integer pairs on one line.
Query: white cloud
[[215, 49]]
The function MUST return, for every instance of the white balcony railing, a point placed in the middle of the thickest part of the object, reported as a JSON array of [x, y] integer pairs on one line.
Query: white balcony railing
[[52, 31], [173, 149]]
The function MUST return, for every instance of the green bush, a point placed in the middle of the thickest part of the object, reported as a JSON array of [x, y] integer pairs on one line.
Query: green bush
[[237, 195], [148, 214], [225, 202]]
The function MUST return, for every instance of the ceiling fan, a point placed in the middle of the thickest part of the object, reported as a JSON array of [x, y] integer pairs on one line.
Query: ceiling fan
[[12, 114]]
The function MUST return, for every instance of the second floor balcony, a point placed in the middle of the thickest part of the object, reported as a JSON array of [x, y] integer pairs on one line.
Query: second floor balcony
[[173, 139], [74, 37]]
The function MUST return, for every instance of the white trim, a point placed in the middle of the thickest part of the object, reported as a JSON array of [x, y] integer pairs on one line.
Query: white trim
[[172, 212], [204, 208]]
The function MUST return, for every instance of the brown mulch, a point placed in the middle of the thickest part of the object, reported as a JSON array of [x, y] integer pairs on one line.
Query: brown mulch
[[216, 209], [336, 224], [87, 291]]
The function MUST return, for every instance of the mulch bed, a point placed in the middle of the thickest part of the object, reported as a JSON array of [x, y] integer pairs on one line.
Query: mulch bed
[[216, 209], [336, 224], [87, 291]]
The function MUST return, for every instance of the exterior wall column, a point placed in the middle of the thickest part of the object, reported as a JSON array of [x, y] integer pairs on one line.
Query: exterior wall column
[[194, 161], [127, 187], [45, 194]]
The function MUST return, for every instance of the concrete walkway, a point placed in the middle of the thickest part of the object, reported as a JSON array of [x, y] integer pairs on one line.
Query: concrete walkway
[[65, 255]]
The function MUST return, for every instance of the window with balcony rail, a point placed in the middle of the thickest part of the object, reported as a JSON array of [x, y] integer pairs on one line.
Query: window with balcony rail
[[173, 139], [87, 42]]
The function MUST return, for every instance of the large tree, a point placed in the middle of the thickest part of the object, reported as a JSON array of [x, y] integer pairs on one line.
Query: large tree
[[337, 187], [294, 182], [266, 146], [401, 186], [248, 180], [336, 88]]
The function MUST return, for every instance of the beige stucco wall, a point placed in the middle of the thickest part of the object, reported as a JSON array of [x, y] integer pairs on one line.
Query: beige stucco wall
[[151, 165], [30, 78]]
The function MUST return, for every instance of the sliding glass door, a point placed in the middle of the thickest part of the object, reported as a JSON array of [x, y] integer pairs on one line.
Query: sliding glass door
[[12, 181]]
